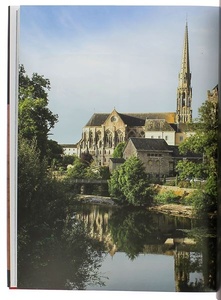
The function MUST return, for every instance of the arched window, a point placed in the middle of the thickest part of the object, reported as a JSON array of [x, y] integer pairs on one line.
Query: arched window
[[108, 139], [132, 133], [98, 139], [90, 139], [119, 137], [142, 134]]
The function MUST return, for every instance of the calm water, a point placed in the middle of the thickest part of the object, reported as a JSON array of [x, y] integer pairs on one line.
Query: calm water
[[107, 248]]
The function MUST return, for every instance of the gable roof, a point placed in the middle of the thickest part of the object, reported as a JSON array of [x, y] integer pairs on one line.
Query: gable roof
[[97, 119], [131, 119], [146, 144]]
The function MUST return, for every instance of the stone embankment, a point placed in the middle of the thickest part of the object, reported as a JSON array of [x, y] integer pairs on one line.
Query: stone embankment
[[174, 210], [94, 199]]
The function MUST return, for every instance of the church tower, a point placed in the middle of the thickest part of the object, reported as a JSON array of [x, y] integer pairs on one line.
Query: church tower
[[184, 90]]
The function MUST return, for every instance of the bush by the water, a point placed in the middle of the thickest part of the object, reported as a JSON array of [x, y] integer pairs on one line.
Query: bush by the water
[[167, 197]]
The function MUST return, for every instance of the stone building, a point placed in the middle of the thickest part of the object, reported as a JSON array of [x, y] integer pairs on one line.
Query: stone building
[[159, 158], [104, 131], [155, 154]]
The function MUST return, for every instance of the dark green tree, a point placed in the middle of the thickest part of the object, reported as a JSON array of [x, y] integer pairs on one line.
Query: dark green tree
[[205, 143], [118, 151], [129, 183], [35, 119], [54, 153]]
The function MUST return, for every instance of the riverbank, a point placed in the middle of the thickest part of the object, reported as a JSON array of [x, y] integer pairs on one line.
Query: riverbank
[[171, 209]]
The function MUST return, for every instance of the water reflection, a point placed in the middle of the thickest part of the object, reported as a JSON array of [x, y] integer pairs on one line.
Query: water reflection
[[58, 258], [135, 232], [103, 247]]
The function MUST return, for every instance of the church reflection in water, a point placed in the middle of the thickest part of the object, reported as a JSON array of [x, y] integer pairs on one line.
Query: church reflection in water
[[140, 231]]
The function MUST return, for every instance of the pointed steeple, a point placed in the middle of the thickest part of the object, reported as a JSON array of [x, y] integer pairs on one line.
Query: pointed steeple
[[184, 90]]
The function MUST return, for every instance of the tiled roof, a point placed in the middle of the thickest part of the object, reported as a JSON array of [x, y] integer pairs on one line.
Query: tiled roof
[[147, 144], [97, 119], [158, 125], [131, 119], [189, 154], [69, 145]]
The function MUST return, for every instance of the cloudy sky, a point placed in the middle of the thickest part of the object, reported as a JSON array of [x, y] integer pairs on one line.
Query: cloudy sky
[[98, 58]]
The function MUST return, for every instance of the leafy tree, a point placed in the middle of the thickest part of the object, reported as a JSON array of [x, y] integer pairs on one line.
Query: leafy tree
[[68, 160], [203, 142], [128, 183], [54, 153], [78, 170], [32, 174], [35, 120], [118, 151]]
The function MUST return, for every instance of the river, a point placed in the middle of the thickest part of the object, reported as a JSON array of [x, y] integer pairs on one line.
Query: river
[[124, 249]]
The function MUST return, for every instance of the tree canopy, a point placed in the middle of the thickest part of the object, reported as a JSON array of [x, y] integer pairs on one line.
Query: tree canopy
[[35, 119], [128, 183], [204, 142], [118, 151]]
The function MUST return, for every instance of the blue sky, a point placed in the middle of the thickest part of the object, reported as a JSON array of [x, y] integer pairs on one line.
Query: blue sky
[[98, 58]]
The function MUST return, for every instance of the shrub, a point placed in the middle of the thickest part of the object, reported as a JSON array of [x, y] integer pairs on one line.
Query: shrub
[[167, 197]]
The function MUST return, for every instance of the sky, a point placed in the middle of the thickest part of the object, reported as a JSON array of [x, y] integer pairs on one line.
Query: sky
[[98, 58]]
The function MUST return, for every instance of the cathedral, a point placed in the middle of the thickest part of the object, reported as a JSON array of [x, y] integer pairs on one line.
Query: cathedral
[[104, 131]]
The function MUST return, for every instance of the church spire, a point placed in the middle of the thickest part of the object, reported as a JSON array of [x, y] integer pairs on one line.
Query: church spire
[[184, 90]]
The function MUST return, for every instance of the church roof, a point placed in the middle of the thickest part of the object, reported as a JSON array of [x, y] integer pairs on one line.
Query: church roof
[[97, 119], [158, 125], [146, 144], [131, 119]]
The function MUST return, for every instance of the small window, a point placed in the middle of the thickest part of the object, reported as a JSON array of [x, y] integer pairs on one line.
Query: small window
[[181, 138], [166, 138]]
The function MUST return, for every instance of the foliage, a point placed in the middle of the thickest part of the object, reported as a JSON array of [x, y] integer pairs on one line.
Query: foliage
[[118, 151], [86, 158], [78, 170], [167, 197], [67, 160], [31, 178], [190, 169], [35, 120], [40, 197], [201, 203], [54, 153], [128, 183], [204, 142], [52, 253]]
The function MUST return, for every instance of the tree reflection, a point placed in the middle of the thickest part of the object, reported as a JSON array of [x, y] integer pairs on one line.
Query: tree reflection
[[194, 260], [59, 259], [203, 233], [132, 229]]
